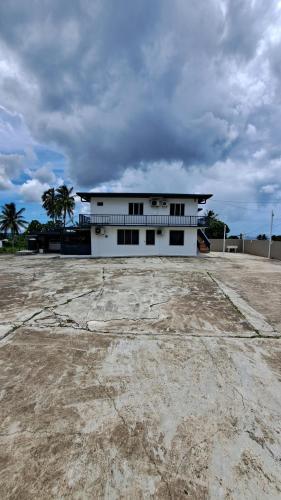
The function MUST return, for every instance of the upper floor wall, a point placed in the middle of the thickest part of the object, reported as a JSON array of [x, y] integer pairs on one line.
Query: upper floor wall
[[106, 206]]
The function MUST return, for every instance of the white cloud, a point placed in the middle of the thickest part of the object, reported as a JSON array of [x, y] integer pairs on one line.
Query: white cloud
[[260, 154], [270, 188], [5, 183], [32, 190]]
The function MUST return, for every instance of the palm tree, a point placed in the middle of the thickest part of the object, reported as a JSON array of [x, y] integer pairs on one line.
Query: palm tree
[[66, 202], [211, 215], [12, 220], [50, 203]]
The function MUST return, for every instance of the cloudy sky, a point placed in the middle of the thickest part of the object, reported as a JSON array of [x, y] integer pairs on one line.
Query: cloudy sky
[[143, 95]]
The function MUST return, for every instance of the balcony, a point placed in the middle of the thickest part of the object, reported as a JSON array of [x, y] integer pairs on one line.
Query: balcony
[[142, 220]]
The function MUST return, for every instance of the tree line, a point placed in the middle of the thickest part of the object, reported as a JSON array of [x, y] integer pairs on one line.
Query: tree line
[[58, 203]]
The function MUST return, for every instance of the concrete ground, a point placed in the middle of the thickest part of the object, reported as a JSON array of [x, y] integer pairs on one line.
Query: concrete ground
[[140, 378]]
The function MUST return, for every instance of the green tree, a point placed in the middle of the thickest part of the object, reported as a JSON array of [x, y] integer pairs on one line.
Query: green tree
[[51, 226], [66, 202], [210, 215], [12, 220], [50, 204], [34, 227], [215, 227], [262, 237]]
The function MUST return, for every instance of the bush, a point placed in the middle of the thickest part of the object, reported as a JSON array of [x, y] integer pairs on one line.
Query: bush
[[8, 249], [20, 244]]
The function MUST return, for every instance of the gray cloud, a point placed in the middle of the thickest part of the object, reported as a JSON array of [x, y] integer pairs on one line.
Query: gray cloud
[[118, 87], [11, 166], [44, 174]]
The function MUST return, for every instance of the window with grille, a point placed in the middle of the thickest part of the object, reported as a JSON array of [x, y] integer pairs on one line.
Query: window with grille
[[177, 238], [135, 208], [127, 236], [176, 208]]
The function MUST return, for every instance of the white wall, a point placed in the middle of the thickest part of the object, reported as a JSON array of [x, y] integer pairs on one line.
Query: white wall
[[106, 245], [121, 206]]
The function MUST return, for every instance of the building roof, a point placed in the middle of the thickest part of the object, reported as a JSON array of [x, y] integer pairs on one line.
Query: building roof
[[200, 197]]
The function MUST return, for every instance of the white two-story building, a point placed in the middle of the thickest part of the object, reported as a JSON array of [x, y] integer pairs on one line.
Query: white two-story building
[[143, 224]]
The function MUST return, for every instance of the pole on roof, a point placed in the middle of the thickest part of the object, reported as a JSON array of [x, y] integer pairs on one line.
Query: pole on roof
[[224, 232], [270, 234]]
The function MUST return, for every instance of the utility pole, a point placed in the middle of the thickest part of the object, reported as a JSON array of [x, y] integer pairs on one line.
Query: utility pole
[[224, 231], [270, 234], [243, 242]]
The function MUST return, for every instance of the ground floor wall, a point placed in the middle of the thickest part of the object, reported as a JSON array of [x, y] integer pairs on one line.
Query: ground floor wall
[[105, 245]]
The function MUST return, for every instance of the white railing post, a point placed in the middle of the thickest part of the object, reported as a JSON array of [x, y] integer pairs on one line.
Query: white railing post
[[224, 232], [270, 234]]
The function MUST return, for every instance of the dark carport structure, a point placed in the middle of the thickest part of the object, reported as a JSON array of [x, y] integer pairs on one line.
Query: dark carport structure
[[72, 241]]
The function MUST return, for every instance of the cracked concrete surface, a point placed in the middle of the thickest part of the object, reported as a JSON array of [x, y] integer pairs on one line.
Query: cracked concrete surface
[[140, 378]]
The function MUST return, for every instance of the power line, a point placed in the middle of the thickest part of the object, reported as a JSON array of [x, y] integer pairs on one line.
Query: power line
[[246, 202], [240, 206]]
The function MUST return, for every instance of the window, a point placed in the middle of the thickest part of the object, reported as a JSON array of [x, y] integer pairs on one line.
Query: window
[[176, 208], [100, 203], [150, 237], [135, 208], [176, 237], [127, 236]]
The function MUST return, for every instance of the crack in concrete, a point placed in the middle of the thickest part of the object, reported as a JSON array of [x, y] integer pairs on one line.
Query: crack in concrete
[[131, 431], [243, 398], [119, 319], [212, 358], [234, 388], [240, 394], [38, 432], [159, 303], [259, 405], [264, 446], [196, 445], [63, 321], [46, 308], [177, 335]]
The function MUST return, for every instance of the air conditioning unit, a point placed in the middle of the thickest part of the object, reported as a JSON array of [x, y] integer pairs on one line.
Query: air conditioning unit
[[164, 203], [155, 203], [159, 231], [99, 231]]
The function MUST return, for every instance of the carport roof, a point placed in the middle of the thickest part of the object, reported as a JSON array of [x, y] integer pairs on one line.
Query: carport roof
[[86, 196]]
